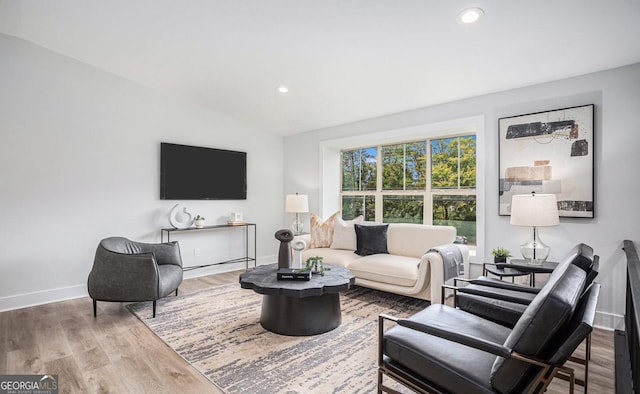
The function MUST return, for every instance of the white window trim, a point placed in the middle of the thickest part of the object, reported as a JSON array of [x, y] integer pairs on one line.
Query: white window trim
[[330, 164]]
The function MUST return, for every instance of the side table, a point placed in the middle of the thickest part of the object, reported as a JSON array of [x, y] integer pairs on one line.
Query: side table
[[501, 270], [521, 265]]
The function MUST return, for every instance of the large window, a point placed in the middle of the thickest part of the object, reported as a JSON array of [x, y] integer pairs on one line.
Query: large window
[[427, 181]]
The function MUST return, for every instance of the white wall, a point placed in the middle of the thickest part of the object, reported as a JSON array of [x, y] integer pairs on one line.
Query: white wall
[[616, 96], [79, 161]]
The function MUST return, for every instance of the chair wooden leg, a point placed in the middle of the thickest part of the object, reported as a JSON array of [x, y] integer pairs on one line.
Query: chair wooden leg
[[95, 308], [154, 308]]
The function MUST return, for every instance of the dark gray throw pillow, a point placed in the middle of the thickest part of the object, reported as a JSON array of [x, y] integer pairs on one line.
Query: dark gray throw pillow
[[371, 239]]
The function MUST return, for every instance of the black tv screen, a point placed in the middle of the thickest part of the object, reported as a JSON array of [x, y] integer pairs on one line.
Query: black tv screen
[[198, 173]]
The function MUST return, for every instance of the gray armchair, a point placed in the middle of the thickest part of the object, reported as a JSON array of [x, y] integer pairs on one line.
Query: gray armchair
[[128, 271]]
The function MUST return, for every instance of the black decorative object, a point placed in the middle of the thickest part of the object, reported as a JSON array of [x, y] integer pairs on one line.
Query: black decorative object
[[182, 165], [293, 274], [284, 254], [296, 308]]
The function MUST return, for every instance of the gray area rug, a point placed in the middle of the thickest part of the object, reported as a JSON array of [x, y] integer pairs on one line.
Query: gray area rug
[[218, 331]]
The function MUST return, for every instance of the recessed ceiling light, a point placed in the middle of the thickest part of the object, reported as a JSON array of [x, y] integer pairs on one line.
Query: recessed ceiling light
[[470, 15], [283, 89]]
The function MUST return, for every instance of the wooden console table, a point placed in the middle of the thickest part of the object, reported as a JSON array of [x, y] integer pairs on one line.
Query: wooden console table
[[246, 258]]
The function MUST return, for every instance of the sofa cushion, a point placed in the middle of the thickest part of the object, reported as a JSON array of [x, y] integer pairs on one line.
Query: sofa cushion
[[371, 239], [331, 256], [414, 240], [344, 233], [386, 268], [321, 232]]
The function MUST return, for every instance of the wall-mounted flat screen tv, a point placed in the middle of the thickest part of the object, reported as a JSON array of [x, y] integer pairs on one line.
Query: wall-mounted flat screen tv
[[198, 173]]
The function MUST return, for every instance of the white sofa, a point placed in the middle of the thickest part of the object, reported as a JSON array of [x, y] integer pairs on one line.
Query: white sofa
[[407, 269]]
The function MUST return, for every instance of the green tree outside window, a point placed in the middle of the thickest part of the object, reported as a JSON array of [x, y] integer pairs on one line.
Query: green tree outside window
[[354, 206], [458, 211], [404, 166], [453, 163], [359, 169], [403, 209]]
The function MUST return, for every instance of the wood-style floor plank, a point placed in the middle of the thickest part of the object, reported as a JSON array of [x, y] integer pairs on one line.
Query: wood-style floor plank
[[19, 361], [105, 379], [70, 376], [116, 353]]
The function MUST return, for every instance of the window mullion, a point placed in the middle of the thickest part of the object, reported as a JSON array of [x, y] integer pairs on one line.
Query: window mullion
[[404, 166], [458, 163], [428, 199], [378, 194]]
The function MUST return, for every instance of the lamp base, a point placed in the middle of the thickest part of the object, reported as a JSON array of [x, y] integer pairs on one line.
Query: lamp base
[[297, 226], [535, 252]]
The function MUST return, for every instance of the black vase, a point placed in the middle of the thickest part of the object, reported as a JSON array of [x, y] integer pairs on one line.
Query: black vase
[[284, 254], [499, 260]]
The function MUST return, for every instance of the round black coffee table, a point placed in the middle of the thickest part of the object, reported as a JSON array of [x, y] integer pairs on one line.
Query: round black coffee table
[[299, 307]]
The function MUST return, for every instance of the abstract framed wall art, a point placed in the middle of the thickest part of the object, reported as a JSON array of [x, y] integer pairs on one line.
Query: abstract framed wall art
[[549, 152]]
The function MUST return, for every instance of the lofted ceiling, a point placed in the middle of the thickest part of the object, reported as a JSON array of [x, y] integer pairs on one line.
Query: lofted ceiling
[[342, 60]]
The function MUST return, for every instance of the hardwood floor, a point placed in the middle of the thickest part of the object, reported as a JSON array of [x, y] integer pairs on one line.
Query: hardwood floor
[[117, 353]]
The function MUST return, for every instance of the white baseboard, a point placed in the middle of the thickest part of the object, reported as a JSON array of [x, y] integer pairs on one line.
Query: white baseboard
[[609, 321], [48, 296], [25, 300]]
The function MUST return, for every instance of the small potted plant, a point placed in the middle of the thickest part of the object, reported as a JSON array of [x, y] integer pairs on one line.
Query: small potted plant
[[199, 221], [315, 264], [500, 254]]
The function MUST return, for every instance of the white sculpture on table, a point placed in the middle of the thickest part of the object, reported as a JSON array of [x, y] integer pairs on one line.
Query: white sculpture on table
[[180, 219], [298, 245]]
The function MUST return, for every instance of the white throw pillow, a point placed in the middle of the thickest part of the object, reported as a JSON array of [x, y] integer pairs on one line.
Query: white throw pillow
[[344, 233]]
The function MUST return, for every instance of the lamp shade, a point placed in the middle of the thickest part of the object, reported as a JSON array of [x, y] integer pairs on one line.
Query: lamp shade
[[534, 210], [297, 203]]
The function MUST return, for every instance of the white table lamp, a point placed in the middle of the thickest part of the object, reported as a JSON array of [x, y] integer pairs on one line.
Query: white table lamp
[[297, 203], [534, 210]]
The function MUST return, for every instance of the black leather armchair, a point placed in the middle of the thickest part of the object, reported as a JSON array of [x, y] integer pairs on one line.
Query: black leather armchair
[[504, 302], [128, 271], [446, 350]]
